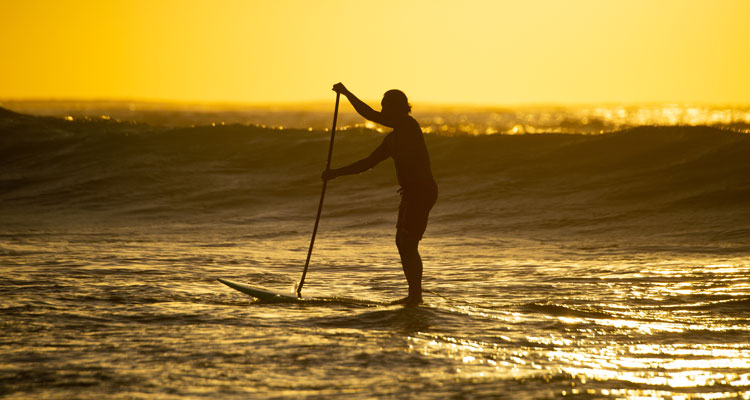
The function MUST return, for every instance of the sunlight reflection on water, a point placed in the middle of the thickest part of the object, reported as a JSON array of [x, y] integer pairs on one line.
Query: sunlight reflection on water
[[606, 356], [149, 310]]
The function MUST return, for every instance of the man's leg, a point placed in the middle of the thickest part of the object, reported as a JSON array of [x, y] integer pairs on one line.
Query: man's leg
[[408, 249]]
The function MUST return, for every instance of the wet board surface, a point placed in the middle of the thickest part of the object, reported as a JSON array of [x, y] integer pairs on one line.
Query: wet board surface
[[261, 293], [271, 296]]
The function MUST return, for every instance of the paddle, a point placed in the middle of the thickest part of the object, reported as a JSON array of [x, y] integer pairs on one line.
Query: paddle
[[322, 196]]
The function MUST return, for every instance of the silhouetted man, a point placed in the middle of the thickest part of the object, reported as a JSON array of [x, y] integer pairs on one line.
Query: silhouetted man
[[405, 144]]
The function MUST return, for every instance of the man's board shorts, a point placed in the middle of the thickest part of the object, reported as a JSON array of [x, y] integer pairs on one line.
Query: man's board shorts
[[416, 203]]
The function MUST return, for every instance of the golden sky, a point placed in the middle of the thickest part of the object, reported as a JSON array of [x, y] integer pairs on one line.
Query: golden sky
[[468, 51]]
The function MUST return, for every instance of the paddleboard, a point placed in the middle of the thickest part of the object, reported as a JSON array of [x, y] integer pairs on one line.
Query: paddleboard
[[261, 293], [270, 296]]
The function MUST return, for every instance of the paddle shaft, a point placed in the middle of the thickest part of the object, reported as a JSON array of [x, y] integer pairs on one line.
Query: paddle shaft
[[322, 197]]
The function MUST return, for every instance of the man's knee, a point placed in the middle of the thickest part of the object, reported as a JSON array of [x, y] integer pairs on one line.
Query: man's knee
[[405, 241]]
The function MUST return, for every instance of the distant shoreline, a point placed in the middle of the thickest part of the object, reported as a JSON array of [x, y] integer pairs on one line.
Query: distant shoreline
[[476, 120]]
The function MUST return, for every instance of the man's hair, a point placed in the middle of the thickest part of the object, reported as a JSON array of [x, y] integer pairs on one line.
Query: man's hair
[[397, 99]]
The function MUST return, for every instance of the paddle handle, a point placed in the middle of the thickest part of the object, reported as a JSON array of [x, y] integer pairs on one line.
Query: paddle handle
[[322, 197]]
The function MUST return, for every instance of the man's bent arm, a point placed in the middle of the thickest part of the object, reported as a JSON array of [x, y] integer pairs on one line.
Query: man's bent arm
[[357, 167]]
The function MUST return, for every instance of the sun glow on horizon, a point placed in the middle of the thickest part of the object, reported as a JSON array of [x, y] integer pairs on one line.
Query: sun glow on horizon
[[479, 52]]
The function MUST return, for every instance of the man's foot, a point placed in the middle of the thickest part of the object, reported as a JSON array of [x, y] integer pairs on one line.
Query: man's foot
[[409, 301]]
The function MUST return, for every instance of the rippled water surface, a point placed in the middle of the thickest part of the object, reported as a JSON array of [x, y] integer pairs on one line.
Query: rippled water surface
[[126, 313]]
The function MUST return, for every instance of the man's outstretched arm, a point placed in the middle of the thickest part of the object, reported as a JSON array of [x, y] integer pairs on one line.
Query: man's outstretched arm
[[361, 107]]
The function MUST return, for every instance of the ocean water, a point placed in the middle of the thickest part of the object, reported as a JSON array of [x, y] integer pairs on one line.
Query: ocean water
[[604, 256]]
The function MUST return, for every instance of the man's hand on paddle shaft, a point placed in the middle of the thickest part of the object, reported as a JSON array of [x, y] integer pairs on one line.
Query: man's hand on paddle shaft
[[328, 175], [340, 88]]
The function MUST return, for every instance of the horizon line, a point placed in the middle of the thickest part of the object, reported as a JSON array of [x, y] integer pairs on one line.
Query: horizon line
[[325, 103]]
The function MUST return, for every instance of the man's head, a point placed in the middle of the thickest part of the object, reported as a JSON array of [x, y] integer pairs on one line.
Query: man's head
[[395, 102]]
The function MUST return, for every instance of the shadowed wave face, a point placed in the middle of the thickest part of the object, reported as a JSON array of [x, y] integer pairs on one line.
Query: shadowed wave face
[[663, 180]]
